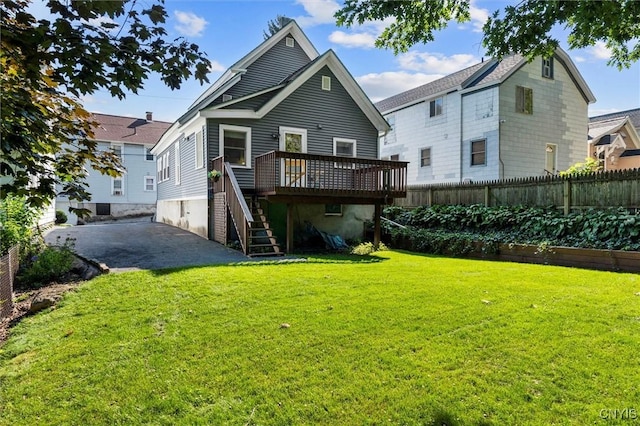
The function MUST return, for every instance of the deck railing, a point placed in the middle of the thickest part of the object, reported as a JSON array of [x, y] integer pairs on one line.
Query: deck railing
[[279, 172]]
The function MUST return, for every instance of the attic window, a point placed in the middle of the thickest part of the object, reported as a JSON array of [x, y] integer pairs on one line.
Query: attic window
[[547, 68], [226, 97], [326, 83], [290, 42]]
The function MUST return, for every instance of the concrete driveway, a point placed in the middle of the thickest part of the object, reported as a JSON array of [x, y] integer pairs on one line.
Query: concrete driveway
[[143, 245]]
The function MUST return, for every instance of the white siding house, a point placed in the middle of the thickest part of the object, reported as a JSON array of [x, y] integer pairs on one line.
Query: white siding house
[[135, 192], [493, 120]]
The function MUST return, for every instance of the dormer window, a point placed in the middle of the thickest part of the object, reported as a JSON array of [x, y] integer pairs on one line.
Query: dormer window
[[290, 42], [326, 83], [547, 68]]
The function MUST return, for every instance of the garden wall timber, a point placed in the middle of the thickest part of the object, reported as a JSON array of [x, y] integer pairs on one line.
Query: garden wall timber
[[9, 264], [619, 188]]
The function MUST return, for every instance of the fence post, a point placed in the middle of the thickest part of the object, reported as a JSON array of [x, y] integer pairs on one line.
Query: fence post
[[430, 196], [487, 196], [567, 196]]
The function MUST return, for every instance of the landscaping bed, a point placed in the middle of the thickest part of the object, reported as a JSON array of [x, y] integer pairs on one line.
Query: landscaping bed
[[594, 239]]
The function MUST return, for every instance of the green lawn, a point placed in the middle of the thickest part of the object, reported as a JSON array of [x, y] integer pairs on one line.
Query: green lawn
[[398, 338]]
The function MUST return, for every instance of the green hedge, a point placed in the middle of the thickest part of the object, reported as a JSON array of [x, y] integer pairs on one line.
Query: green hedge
[[455, 229]]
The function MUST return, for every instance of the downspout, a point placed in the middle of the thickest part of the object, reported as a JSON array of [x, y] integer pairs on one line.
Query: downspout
[[461, 137], [500, 123]]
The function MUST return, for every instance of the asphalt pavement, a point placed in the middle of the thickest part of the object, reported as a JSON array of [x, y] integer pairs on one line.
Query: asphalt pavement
[[126, 246]]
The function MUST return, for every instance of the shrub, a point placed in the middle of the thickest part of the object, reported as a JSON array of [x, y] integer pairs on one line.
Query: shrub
[[51, 264], [61, 217], [17, 223], [452, 228], [364, 249]]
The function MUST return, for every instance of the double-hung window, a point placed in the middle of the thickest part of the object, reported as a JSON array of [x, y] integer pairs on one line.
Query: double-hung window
[[149, 183], [235, 145], [148, 156], [479, 152], [177, 161], [524, 100], [435, 107], [547, 68], [200, 148], [425, 157]]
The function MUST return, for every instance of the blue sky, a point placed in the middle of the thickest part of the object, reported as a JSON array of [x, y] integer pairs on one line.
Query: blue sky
[[227, 30]]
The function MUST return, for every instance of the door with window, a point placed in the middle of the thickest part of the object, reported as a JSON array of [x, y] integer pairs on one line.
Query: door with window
[[294, 170], [550, 163]]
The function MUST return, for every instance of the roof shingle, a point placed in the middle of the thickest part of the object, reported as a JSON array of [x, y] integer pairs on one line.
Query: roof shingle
[[115, 128]]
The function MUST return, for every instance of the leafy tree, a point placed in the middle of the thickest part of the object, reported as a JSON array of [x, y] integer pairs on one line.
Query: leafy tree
[[523, 28], [47, 64], [275, 25]]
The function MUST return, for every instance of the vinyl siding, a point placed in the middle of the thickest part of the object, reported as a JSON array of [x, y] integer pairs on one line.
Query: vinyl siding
[[133, 159], [271, 68], [559, 117], [193, 182], [415, 130], [306, 108], [481, 121]]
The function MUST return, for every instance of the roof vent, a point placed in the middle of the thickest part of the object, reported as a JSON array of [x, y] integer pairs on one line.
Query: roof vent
[[149, 116]]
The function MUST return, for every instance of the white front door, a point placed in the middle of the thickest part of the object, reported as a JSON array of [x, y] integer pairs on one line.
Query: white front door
[[294, 173]]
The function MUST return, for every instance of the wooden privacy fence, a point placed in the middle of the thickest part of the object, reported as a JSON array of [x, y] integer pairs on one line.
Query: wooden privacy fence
[[618, 188]]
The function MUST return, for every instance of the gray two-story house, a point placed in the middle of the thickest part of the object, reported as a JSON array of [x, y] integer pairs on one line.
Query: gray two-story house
[[284, 139]]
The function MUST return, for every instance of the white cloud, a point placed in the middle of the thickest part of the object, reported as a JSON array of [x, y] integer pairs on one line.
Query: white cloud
[[599, 51], [189, 24], [478, 17], [364, 40], [435, 62], [381, 86], [318, 12], [579, 59], [215, 66]]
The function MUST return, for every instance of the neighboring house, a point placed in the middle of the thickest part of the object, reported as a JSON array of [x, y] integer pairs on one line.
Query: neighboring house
[[493, 120], [295, 140], [614, 140], [135, 192]]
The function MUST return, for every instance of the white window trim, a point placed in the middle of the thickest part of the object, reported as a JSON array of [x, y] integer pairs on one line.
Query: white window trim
[[326, 83], [554, 147], [144, 183], [177, 161], [146, 152], [294, 130], [247, 130], [290, 42], [121, 179], [121, 145], [159, 169], [165, 167], [199, 149], [351, 141]]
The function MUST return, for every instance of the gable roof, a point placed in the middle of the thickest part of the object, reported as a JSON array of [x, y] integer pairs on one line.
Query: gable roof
[[234, 73], [633, 114], [281, 91], [600, 131], [116, 128], [483, 74]]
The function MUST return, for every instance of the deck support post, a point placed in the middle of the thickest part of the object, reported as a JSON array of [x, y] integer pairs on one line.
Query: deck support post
[[289, 228], [376, 225]]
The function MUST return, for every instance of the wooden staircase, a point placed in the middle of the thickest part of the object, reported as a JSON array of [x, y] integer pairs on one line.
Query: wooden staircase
[[262, 242]]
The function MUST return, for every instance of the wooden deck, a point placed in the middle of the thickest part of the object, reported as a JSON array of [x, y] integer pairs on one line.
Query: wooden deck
[[321, 177]]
